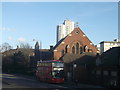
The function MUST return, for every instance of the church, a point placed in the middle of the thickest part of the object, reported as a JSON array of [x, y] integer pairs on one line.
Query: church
[[74, 43]]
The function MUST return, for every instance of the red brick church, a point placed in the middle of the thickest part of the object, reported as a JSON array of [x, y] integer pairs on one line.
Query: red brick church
[[74, 43]]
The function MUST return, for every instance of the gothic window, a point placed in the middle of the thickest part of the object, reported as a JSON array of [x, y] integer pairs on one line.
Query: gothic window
[[73, 50], [81, 50], [66, 48], [77, 48], [85, 48]]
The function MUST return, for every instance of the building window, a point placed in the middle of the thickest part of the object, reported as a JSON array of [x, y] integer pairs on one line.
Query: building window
[[114, 73], [76, 32], [106, 73], [81, 51], [77, 48], [98, 72], [66, 48], [73, 50], [85, 48]]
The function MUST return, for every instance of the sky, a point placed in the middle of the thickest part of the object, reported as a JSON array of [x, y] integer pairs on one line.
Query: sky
[[24, 21]]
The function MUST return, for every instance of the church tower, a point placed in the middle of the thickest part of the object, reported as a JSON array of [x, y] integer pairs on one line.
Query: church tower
[[37, 46], [37, 52]]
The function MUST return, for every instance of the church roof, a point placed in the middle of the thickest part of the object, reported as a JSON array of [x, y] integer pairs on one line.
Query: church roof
[[58, 43]]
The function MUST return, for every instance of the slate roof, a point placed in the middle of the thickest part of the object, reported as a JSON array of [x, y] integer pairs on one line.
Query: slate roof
[[58, 43], [111, 57], [12, 51], [81, 59], [46, 55]]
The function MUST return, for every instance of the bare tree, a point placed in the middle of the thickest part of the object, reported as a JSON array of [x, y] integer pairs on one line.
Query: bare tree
[[25, 45], [5, 47], [25, 48]]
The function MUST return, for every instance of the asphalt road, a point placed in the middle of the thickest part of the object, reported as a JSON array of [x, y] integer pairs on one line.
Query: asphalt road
[[16, 81], [20, 82]]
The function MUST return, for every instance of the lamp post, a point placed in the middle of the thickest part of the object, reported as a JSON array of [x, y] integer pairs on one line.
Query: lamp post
[[74, 66]]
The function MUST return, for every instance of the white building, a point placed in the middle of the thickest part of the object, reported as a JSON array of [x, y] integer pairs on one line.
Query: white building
[[106, 45], [60, 32], [69, 25], [64, 29]]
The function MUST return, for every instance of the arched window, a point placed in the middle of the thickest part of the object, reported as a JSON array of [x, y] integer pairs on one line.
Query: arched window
[[81, 50], [77, 48], [85, 48], [66, 48], [73, 50]]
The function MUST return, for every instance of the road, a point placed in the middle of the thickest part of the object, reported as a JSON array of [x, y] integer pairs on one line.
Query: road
[[16, 81], [12, 81]]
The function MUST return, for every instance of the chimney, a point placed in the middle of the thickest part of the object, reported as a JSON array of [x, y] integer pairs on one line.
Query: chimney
[[51, 48]]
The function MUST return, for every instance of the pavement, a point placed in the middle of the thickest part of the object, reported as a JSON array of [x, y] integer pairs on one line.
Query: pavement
[[80, 85]]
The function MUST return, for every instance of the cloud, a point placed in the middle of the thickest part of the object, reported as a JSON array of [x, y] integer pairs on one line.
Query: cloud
[[21, 39], [7, 29]]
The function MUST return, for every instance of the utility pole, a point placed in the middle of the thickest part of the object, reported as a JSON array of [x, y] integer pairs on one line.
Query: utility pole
[[40, 51]]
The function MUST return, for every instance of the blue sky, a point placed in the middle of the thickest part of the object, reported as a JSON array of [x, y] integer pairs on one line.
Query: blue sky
[[25, 21]]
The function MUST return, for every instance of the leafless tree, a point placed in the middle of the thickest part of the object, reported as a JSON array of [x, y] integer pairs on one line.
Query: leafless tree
[[5, 47], [25, 45]]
